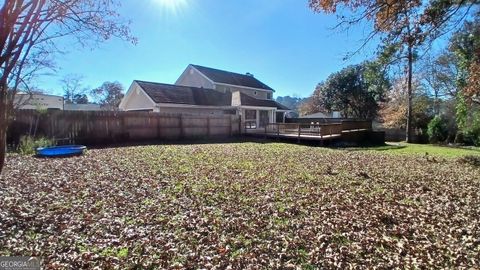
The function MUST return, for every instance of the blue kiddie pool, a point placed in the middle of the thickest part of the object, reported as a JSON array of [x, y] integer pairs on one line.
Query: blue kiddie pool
[[61, 151]]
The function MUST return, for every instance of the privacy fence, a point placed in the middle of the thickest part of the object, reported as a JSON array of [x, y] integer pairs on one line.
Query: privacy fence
[[99, 127]]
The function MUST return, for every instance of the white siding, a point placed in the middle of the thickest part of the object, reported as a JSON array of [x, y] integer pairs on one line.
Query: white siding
[[192, 111], [37, 101], [192, 77], [136, 99], [251, 92]]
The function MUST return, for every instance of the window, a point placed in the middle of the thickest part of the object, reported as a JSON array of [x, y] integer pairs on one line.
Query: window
[[250, 119], [255, 93], [269, 95], [250, 114]]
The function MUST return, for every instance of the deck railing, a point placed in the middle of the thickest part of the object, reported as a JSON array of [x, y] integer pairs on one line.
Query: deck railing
[[296, 129]]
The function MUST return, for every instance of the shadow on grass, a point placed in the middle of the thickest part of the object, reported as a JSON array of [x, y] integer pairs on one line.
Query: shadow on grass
[[368, 147], [219, 140]]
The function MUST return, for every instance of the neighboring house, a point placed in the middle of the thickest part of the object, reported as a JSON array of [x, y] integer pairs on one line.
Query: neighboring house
[[322, 115], [27, 101], [82, 107], [202, 90]]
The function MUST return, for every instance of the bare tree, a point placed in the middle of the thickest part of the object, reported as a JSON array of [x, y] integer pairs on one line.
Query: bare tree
[[438, 73], [28, 33], [72, 87]]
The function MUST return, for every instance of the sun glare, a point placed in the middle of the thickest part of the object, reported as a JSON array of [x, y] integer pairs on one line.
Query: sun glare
[[173, 6]]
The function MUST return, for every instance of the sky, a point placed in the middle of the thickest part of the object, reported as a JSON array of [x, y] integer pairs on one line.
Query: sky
[[282, 42]]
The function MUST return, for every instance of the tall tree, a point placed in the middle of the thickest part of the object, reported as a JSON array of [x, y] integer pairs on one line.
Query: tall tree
[[393, 111], [80, 99], [28, 33], [109, 95], [465, 44], [292, 103], [406, 25], [73, 90], [355, 91]]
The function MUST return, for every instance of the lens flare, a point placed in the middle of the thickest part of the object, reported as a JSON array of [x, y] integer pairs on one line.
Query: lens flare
[[173, 6]]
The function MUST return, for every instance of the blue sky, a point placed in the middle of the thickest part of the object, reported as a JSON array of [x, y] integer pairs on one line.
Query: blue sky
[[282, 42]]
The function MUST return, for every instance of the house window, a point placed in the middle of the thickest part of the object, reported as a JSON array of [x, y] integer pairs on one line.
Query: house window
[[255, 93], [269, 95], [250, 114], [250, 119]]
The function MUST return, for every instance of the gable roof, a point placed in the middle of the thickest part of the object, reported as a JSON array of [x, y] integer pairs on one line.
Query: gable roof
[[247, 100], [227, 77], [176, 94]]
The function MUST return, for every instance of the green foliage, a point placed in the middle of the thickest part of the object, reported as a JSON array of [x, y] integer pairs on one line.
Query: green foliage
[[355, 91], [472, 133], [411, 149], [109, 94], [28, 144], [80, 99], [437, 130], [423, 111], [468, 121]]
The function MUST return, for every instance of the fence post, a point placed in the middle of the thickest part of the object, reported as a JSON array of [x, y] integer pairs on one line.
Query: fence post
[[208, 127], [299, 132], [182, 132], [157, 115]]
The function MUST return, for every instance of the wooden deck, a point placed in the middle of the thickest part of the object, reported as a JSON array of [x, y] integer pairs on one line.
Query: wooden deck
[[302, 131]]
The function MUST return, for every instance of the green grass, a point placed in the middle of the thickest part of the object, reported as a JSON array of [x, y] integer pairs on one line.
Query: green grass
[[422, 149]]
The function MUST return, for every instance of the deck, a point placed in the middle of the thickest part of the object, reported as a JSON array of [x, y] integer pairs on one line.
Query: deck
[[309, 132]]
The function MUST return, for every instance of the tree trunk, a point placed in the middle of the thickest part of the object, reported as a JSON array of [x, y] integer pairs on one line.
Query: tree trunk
[[3, 124], [409, 91]]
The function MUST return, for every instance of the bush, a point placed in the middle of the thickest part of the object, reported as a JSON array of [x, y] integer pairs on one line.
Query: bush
[[28, 144], [437, 130], [471, 134], [475, 129]]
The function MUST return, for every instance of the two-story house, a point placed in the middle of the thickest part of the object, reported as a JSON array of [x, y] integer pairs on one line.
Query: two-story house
[[203, 90]]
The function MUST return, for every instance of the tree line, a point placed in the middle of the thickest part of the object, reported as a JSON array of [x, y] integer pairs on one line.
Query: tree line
[[108, 95], [408, 84]]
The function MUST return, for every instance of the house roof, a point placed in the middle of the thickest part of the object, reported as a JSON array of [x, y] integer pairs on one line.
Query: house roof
[[247, 100], [227, 77], [176, 94]]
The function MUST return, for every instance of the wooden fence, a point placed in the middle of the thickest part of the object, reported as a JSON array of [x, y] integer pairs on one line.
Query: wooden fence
[[99, 127]]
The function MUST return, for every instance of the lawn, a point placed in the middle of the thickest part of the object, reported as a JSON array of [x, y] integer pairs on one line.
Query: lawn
[[241, 205], [424, 149]]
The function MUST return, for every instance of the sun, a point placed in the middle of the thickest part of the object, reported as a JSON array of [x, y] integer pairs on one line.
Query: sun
[[172, 5]]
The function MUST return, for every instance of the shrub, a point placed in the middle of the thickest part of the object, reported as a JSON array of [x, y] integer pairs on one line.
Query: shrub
[[437, 130], [28, 144], [471, 134]]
